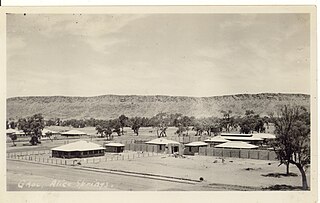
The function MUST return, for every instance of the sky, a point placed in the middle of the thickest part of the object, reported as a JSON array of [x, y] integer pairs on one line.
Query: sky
[[157, 54]]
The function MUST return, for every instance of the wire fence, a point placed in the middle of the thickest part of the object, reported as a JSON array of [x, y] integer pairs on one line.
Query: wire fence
[[45, 157]]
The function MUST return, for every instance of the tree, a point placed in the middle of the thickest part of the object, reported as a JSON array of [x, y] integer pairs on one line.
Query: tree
[[292, 143], [227, 121], [249, 122], [13, 137], [33, 127], [123, 122], [136, 124]]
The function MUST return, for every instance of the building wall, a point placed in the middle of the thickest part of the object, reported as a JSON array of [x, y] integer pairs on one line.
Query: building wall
[[77, 154]]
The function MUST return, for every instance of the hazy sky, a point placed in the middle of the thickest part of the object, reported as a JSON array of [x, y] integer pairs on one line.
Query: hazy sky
[[165, 54]]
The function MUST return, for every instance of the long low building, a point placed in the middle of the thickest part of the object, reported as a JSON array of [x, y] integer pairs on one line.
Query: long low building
[[72, 133], [79, 149]]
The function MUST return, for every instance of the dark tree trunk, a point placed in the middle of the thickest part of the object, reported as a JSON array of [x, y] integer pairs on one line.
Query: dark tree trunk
[[304, 177], [287, 168]]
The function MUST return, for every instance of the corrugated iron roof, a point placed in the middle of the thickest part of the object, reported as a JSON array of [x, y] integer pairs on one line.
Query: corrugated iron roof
[[237, 145], [79, 146], [196, 144]]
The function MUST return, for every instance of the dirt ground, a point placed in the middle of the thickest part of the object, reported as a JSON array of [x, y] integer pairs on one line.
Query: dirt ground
[[234, 171]]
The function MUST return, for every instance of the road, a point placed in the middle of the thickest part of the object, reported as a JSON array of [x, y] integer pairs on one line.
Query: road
[[24, 176]]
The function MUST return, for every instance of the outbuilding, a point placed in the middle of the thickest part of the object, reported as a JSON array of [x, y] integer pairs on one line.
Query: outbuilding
[[79, 149], [193, 147], [114, 147], [164, 145]]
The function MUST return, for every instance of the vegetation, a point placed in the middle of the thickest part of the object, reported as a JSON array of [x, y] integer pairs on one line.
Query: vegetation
[[32, 126], [292, 143]]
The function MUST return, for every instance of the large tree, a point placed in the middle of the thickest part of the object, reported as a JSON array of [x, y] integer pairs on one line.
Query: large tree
[[136, 123], [123, 122], [32, 126], [292, 143]]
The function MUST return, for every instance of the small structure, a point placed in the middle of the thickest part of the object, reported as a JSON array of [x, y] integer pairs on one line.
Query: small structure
[[164, 145], [73, 133], [193, 147], [236, 145], [79, 149], [213, 141], [14, 131], [114, 147], [45, 131]]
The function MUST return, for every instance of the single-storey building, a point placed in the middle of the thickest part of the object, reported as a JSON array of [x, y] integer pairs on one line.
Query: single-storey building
[[164, 145], [73, 133], [213, 141], [236, 145], [193, 147], [249, 138], [114, 147], [79, 149]]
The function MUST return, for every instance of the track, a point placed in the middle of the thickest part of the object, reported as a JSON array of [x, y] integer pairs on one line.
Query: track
[[209, 186]]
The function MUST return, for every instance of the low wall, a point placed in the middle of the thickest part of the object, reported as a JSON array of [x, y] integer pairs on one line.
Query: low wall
[[238, 153]]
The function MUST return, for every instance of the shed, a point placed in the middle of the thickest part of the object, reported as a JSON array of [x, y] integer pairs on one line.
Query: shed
[[236, 145], [193, 147], [114, 147], [79, 149], [163, 145]]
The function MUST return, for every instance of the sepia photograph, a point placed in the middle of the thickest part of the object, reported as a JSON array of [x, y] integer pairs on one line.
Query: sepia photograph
[[160, 101]]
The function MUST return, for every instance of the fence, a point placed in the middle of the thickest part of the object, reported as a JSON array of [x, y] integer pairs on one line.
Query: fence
[[238, 153], [45, 157]]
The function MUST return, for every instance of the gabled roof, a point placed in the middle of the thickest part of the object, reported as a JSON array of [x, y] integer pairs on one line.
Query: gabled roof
[[216, 139], [196, 144], [162, 141], [73, 132], [236, 145], [78, 146]]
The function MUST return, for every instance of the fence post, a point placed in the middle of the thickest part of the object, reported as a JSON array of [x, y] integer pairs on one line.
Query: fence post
[[249, 154], [268, 155], [259, 155]]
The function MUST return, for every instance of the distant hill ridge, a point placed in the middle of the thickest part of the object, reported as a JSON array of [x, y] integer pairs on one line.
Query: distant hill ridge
[[111, 106]]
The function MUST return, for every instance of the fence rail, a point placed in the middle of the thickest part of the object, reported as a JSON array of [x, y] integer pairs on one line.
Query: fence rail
[[45, 157]]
